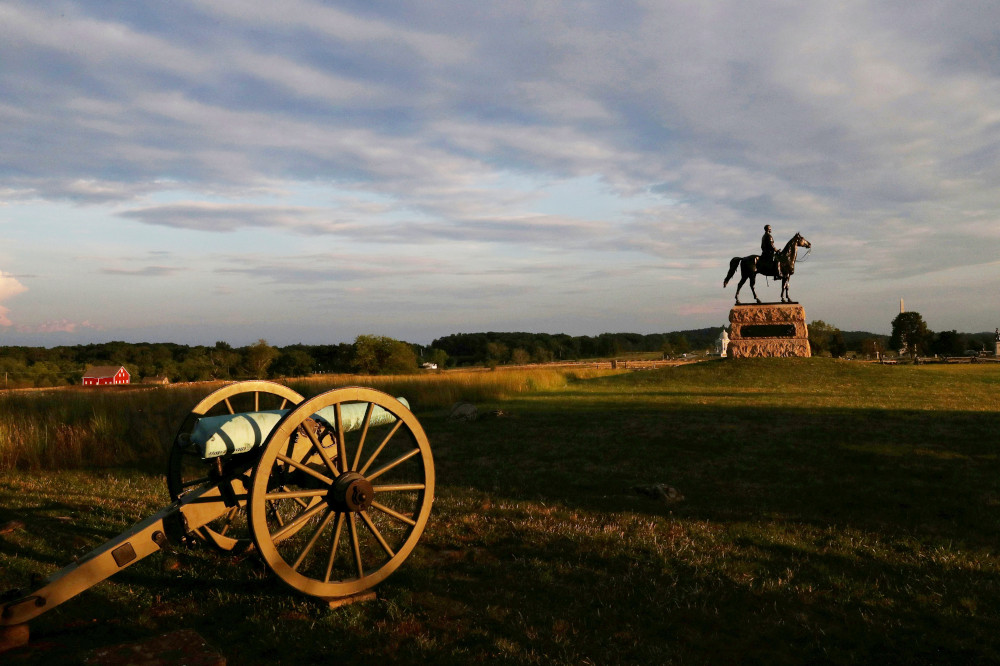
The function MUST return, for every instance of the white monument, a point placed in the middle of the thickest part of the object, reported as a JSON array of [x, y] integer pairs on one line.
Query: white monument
[[722, 344]]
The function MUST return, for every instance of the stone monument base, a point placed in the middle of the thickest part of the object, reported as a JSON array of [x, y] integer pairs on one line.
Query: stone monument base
[[763, 330]]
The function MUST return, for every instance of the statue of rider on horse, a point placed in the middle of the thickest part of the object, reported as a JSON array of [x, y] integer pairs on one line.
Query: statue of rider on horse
[[766, 265], [779, 264]]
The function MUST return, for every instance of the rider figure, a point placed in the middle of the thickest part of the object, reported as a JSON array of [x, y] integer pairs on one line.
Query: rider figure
[[768, 252]]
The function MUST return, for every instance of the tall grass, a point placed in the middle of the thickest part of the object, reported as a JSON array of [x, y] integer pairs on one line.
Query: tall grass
[[110, 427], [428, 391], [70, 428]]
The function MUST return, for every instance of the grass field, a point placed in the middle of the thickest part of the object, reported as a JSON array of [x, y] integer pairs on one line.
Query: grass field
[[831, 512]]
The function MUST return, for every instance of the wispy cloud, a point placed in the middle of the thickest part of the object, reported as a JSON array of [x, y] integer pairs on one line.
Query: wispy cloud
[[145, 271], [442, 128], [58, 326]]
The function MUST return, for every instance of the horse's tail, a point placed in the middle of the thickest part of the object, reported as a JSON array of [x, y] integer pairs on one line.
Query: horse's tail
[[733, 265]]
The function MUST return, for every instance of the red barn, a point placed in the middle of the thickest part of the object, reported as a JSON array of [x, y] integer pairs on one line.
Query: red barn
[[99, 375]]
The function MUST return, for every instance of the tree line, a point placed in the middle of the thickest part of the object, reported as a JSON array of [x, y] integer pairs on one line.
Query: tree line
[[518, 348], [59, 366], [911, 336], [22, 366]]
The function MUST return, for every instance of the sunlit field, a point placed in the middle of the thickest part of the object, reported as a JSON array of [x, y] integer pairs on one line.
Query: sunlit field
[[823, 511], [85, 427]]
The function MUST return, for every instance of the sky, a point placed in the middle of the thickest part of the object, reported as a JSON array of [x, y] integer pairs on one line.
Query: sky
[[300, 171]]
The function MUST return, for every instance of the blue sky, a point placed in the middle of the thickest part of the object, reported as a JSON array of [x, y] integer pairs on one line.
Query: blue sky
[[308, 172]]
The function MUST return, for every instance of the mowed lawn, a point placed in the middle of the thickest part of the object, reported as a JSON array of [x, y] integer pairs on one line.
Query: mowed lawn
[[827, 511]]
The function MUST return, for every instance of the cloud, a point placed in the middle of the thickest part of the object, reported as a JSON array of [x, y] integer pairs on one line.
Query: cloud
[[58, 326], [10, 286], [217, 217], [370, 226], [145, 271]]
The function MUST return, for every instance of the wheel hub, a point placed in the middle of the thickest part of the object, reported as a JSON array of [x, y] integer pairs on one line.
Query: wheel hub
[[351, 492]]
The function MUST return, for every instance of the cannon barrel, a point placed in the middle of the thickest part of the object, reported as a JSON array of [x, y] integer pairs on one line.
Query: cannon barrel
[[216, 436]]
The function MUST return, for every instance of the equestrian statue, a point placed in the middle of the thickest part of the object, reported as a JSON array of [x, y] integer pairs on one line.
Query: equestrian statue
[[778, 264]]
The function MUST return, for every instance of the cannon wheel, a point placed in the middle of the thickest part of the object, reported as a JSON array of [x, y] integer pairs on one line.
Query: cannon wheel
[[187, 470], [360, 511]]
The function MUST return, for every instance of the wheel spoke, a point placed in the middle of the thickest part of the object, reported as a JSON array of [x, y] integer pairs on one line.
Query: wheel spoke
[[398, 461], [230, 515], [318, 448], [381, 446], [229, 406], [341, 445], [295, 494], [356, 543], [396, 487], [395, 514], [299, 520], [364, 434], [274, 512], [308, 470], [333, 549], [312, 541], [256, 401], [378, 535]]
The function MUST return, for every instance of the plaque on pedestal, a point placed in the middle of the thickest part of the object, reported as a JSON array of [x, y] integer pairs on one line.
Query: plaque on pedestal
[[768, 330]]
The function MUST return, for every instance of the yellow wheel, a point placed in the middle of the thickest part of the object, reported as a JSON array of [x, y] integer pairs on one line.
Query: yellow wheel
[[342, 492], [187, 470]]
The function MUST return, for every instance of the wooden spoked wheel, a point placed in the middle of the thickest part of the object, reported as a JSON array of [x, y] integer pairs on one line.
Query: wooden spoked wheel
[[359, 488], [187, 470]]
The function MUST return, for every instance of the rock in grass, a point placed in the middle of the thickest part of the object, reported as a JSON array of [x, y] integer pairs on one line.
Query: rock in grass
[[659, 491], [463, 411]]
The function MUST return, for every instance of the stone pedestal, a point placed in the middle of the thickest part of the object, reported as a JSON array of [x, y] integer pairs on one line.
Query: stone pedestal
[[768, 330]]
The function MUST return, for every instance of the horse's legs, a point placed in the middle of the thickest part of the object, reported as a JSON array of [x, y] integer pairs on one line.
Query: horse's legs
[[743, 278], [785, 298], [753, 282]]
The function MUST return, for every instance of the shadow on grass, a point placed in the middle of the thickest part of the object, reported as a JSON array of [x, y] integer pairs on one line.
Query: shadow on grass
[[925, 474]]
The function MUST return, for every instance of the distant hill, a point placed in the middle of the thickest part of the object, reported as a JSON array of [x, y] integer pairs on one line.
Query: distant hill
[[854, 339]]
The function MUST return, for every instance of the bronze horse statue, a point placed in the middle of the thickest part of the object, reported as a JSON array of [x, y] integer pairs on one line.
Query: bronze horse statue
[[749, 269]]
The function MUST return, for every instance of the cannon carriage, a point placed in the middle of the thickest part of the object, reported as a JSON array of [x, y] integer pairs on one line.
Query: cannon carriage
[[332, 491]]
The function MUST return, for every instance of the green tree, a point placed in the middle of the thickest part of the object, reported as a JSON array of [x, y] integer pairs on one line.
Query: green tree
[[224, 359], [259, 357], [680, 343], [910, 334], [293, 363], [438, 357], [949, 343], [520, 357], [380, 355], [196, 366], [825, 339], [496, 353]]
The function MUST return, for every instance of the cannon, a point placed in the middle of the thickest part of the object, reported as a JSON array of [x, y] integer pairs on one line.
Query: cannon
[[332, 491]]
